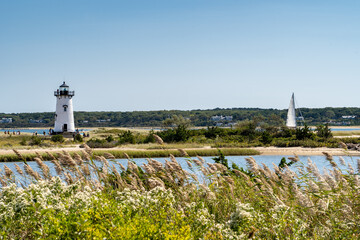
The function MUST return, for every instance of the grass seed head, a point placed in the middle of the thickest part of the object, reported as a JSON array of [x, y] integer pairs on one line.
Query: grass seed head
[[342, 161], [39, 156], [183, 153], [109, 155], [45, 169], [7, 171], [328, 156], [18, 169], [343, 145], [122, 167], [86, 156], [52, 157], [158, 139], [58, 167], [31, 172], [127, 156], [201, 159], [78, 159]]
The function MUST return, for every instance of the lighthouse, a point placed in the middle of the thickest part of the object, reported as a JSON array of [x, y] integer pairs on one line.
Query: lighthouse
[[64, 116]]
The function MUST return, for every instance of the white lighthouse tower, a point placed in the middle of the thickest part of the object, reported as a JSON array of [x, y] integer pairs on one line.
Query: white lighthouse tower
[[64, 116]]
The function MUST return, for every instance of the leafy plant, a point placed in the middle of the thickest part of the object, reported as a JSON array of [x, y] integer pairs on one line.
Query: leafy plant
[[127, 137], [78, 138], [221, 159], [323, 131], [35, 140], [57, 138]]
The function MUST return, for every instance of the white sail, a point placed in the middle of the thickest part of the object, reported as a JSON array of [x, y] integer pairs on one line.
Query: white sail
[[291, 116]]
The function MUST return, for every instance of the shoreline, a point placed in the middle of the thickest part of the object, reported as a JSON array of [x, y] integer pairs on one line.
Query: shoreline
[[301, 151], [7, 155]]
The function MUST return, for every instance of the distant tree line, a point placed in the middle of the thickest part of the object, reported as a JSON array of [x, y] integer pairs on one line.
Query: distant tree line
[[198, 118]]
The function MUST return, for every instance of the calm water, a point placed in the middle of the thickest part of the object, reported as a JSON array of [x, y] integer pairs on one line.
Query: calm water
[[344, 129], [320, 162]]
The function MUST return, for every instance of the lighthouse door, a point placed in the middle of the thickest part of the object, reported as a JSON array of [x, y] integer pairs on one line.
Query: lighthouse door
[[65, 128]]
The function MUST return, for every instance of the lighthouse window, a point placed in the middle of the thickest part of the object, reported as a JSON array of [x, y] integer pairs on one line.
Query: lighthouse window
[[65, 108]]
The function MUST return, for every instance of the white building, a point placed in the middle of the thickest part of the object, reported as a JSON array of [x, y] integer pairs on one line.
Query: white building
[[6, 120], [348, 117], [217, 118], [64, 116]]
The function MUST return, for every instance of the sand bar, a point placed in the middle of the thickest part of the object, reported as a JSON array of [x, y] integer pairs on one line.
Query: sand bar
[[263, 150], [305, 151]]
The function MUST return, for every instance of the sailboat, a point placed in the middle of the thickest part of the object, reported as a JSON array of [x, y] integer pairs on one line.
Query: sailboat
[[291, 116]]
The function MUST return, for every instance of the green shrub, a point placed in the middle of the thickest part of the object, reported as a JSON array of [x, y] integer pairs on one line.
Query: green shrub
[[110, 138], [78, 138], [100, 143], [35, 140], [127, 137], [23, 142], [57, 138]]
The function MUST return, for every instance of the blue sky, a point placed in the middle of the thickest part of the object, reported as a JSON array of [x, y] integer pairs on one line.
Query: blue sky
[[179, 54]]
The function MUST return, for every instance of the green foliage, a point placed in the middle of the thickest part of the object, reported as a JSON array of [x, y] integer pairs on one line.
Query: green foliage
[[221, 159], [78, 138], [100, 143], [304, 133], [323, 131], [176, 121], [273, 117], [284, 163], [179, 134], [247, 129], [35, 140], [150, 137], [266, 138], [23, 142], [168, 203], [127, 137], [213, 132], [57, 138], [110, 138]]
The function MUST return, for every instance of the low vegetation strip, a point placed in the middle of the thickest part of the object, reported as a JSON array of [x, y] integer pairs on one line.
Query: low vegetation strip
[[92, 197], [118, 153]]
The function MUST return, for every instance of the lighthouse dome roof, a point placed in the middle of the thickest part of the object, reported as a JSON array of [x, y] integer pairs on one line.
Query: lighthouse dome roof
[[64, 85]]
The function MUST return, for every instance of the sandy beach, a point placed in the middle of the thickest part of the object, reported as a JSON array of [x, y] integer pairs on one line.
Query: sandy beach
[[305, 151]]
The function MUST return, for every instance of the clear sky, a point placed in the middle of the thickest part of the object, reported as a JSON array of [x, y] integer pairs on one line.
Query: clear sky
[[129, 55]]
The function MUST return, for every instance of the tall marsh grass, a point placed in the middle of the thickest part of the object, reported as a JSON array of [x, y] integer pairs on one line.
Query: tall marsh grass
[[118, 153], [92, 197]]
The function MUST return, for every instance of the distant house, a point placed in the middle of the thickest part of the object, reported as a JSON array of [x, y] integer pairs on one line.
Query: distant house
[[228, 118], [348, 117], [36, 121], [6, 120], [217, 118], [103, 120]]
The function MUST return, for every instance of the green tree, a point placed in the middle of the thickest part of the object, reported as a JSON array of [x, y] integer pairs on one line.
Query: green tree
[[304, 133], [266, 137], [323, 131], [247, 128], [78, 138], [57, 138], [221, 159], [127, 137]]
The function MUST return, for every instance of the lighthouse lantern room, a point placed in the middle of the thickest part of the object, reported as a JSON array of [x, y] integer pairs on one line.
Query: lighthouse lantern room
[[64, 116]]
